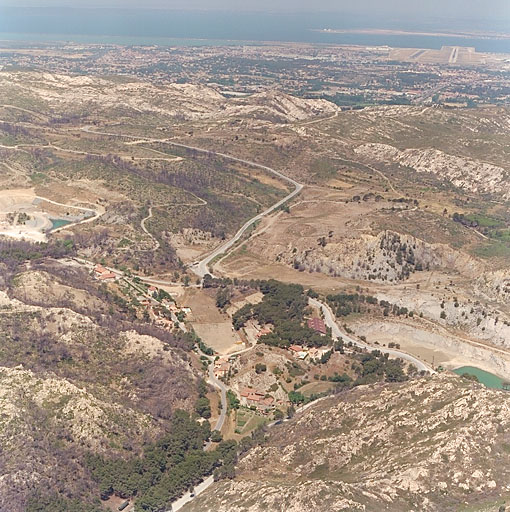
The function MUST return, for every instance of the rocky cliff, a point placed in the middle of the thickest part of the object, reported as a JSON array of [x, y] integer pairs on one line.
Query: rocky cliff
[[432, 444]]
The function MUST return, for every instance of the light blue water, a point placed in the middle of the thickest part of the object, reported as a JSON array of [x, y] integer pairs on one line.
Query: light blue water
[[196, 28], [488, 379], [58, 223]]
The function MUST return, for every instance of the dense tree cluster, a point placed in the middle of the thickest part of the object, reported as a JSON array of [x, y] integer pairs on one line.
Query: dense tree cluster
[[203, 404], [460, 218], [344, 304], [284, 307], [375, 366], [223, 298], [60, 504], [167, 468]]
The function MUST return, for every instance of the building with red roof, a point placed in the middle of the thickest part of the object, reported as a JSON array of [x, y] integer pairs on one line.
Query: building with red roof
[[317, 324]]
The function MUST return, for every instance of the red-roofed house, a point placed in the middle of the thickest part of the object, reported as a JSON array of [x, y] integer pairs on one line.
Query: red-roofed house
[[99, 269], [251, 396], [107, 276], [317, 324], [246, 392]]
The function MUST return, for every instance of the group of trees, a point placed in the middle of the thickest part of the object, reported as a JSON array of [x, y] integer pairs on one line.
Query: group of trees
[[14, 253], [53, 503], [167, 468], [203, 404], [284, 306], [223, 297], [344, 304], [375, 366], [460, 218]]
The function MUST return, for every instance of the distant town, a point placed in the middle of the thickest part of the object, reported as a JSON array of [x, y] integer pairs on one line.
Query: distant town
[[350, 76]]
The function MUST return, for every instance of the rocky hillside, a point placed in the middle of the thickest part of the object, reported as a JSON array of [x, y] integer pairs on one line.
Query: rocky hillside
[[47, 423], [73, 95], [279, 107], [432, 444], [471, 175], [387, 257], [77, 377]]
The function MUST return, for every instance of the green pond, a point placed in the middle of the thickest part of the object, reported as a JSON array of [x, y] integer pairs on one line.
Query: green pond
[[58, 223], [488, 379]]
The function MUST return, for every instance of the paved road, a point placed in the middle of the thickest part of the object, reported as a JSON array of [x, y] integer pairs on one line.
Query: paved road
[[201, 487], [330, 321], [223, 391], [201, 268]]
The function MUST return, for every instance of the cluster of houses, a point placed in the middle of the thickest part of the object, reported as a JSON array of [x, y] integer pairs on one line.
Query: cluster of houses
[[221, 367], [303, 353], [103, 274], [162, 312], [159, 316], [261, 401]]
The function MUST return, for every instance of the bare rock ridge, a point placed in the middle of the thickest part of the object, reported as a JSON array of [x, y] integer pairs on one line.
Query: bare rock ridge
[[465, 173], [387, 257], [425, 445], [180, 101]]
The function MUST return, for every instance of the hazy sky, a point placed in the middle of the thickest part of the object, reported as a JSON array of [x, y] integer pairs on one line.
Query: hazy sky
[[433, 8]]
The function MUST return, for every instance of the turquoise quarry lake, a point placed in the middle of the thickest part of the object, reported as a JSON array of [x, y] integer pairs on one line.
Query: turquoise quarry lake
[[488, 379], [58, 223]]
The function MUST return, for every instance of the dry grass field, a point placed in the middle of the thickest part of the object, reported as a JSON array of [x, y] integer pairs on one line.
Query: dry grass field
[[209, 323]]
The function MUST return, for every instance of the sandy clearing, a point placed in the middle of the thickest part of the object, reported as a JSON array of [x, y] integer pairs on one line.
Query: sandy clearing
[[219, 336], [203, 307], [253, 298]]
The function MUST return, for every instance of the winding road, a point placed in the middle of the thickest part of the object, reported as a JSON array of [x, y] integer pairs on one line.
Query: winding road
[[223, 392], [202, 267], [330, 321], [142, 225]]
